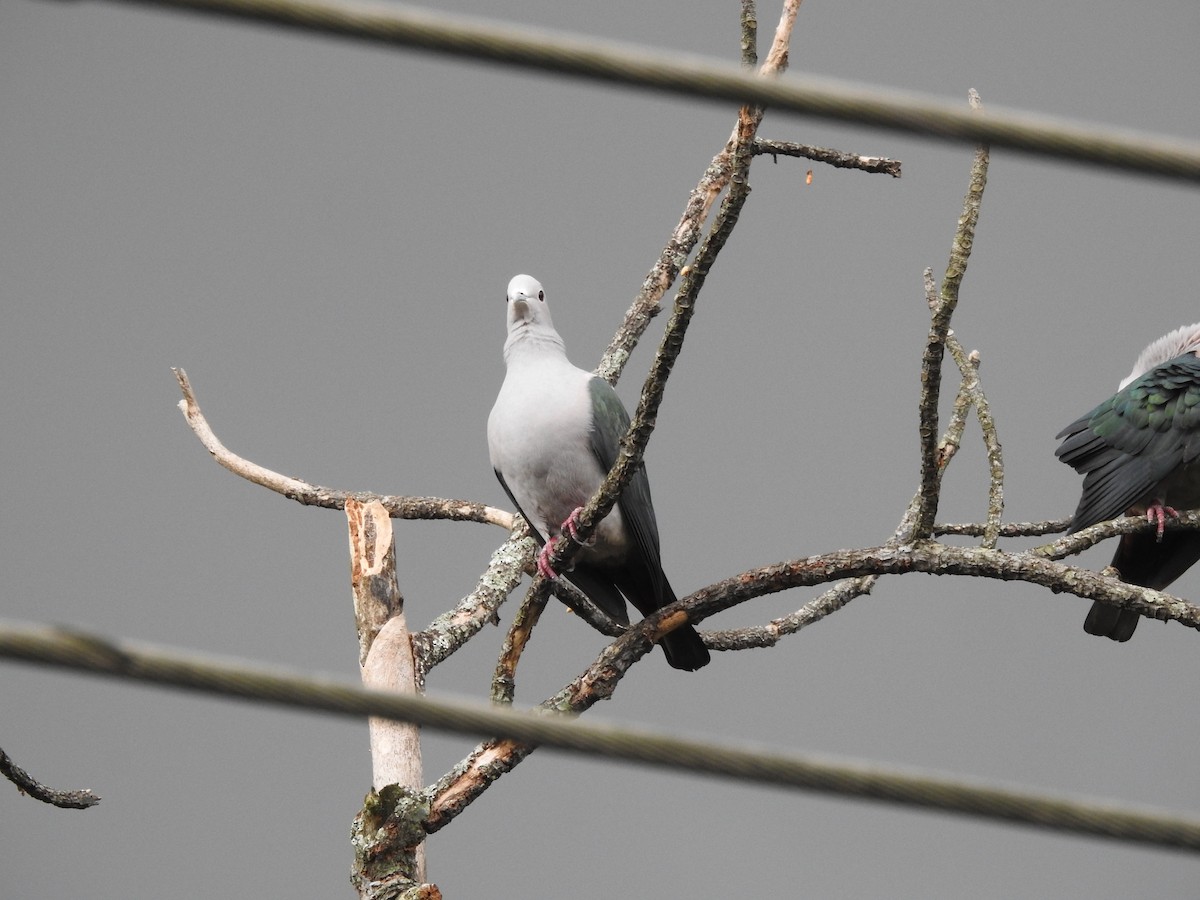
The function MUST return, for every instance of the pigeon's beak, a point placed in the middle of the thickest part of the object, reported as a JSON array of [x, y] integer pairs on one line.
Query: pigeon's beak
[[519, 311]]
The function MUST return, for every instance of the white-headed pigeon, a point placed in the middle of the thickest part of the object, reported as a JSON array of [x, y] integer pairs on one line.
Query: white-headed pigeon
[[553, 435]]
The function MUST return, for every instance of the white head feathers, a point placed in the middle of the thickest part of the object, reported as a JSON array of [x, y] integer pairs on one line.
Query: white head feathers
[[529, 322], [1178, 342]]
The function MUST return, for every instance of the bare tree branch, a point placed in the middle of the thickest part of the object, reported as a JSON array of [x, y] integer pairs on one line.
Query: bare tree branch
[[492, 759], [389, 843], [377, 597], [504, 681], [329, 498], [634, 443], [452, 629], [1007, 529], [730, 166], [757, 636], [27, 784], [715, 179], [971, 395], [933, 558], [835, 158], [1073, 544], [931, 362], [749, 19]]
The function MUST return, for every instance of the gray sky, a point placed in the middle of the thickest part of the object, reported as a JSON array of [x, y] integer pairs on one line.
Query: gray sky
[[321, 233]]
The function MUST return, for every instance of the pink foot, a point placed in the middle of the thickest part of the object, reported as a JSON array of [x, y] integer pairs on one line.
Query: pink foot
[[543, 562], [571, 528], [1159, 514]]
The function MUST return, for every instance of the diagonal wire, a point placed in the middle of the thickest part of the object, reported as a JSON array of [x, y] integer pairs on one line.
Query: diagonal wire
[[695, 76], [91, 653]]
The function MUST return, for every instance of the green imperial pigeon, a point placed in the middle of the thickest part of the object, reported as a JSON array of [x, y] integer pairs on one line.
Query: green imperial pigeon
[[1136, 451], [553, 435]]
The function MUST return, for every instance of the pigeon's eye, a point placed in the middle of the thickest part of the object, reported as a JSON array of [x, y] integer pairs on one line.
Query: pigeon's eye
[[541, 295]]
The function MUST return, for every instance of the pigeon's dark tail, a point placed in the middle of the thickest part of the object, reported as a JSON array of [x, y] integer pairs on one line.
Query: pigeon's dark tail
[[1143, 560], [685, 650], [1108, 621], [683, 646]]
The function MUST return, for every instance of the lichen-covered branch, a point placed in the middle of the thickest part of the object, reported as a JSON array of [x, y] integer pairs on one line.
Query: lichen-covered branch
[[504, 679], [633, 445], [855, 572], [492, 759], [749, 20], [931, 361], [453, 628], [971, 396], [836, 158], [729, 167], [770, 634], [1006, 530], [933, 558], [974, 396], [388, 841], [1076, 543]]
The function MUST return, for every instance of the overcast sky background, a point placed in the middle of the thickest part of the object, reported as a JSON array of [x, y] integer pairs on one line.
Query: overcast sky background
[[321, 233]]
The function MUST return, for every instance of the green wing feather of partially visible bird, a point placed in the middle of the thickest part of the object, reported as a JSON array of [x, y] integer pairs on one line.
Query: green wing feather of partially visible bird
[[1130, 443]]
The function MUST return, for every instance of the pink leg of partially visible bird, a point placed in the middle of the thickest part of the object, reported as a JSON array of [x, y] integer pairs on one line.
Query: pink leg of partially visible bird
[[1159, 514]]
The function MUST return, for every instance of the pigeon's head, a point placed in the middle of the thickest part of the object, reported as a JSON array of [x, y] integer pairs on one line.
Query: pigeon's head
[[527, 310]]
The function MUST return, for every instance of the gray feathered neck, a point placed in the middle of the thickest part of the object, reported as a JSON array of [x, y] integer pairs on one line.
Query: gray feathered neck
[[1178, 342]]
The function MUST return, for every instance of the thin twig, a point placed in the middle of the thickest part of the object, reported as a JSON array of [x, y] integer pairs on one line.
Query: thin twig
[[1076, 543], [968, 364], [917, 520], [931, 361], [1039, 566], [759, 636], [749, 19], [1006, 530], [730, 166], [647, 304], [504, 679], [329, 498], [835, 158], [633, 444], [27, 784], [971, 395], [452, 629]]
